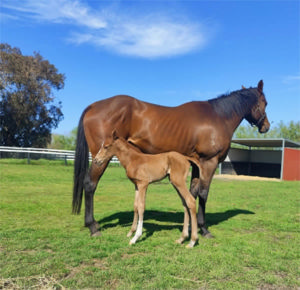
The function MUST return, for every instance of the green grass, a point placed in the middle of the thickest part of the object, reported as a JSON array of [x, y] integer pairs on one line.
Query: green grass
[[255, 224]]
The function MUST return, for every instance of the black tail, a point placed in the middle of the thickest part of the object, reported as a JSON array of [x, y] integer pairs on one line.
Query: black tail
[[80, 167]]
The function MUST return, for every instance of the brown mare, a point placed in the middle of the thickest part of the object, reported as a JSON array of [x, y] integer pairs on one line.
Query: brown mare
[[202, 130], [143, 169]]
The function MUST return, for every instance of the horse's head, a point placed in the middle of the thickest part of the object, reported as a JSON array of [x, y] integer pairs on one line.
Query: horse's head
[[107, 150], [258, 116]]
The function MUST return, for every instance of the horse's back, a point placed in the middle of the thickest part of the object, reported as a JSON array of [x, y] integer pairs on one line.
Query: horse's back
[[152, 128]]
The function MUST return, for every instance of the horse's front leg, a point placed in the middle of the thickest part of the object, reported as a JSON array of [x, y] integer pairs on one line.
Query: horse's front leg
[[203, 194], [207, 171], [90, 185]]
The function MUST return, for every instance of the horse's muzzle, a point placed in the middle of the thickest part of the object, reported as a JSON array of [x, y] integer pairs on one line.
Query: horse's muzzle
[[265, 126]]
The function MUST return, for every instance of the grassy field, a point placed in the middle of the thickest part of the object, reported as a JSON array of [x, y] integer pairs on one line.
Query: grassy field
[[255, 224]]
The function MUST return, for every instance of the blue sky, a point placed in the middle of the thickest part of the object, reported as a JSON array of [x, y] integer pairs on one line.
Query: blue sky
[[164, 52]]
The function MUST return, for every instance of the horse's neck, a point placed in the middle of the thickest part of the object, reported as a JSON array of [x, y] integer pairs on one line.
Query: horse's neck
[[233, 123], [124, 152], [234, 107]]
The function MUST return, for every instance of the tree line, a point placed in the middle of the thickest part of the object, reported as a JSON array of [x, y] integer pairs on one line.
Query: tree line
[[290, 131]]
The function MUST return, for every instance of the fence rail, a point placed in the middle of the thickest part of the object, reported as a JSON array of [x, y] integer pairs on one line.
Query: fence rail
[[38, 153]]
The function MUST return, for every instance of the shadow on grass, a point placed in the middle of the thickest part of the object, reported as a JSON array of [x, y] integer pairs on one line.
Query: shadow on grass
[[174, 220]]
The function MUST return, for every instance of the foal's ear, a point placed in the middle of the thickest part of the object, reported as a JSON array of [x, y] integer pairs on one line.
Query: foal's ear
[[114, 134], [243, 88], [260, 86]]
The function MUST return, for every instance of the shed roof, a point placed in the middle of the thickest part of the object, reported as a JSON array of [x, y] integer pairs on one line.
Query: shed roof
[[266, 142]]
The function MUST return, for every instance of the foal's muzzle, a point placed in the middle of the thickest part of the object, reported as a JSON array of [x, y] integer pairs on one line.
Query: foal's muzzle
[[98, 161]]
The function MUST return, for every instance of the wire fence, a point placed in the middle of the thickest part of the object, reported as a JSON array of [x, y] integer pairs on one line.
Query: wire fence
[[41, 153]]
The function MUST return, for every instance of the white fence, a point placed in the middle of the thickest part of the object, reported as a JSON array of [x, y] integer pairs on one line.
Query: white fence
[[38, 153]]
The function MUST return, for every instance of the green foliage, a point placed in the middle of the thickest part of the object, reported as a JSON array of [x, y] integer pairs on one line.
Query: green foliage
[[64, 142], [290, 131], [255, 246], [27, 108]]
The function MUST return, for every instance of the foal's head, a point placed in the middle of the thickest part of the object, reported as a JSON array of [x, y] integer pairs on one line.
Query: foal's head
[[107, 150], [258, 116]]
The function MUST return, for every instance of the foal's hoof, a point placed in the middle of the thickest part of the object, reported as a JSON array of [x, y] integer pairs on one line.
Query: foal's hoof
[[190, 245], [179, 241], [129, 234], [96, 234]]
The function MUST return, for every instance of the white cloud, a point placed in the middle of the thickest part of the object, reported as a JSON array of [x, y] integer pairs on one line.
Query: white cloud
[[291, 79], [140, 38], [58, 11], [146, 36]]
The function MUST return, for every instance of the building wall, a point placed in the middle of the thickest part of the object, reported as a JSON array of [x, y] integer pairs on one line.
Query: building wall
[[265, 163], [291, 164]]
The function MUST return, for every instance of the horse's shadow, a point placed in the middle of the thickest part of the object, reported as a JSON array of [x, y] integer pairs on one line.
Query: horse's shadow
[[166, 220]]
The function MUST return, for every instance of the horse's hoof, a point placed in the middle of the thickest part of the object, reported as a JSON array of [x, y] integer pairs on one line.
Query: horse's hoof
[[129, 234], [96, 234], [208, 236]]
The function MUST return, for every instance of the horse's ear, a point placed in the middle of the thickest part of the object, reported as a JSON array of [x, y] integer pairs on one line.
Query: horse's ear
[[260, 86], [114, 134], [243, 88]]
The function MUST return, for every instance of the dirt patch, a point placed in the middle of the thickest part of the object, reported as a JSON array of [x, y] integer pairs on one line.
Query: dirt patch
[[97, 263], [33, 282], [244, 177]]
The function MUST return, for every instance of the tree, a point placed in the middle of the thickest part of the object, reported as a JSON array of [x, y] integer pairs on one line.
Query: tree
[[63, 142], [290, 131], [27, 108]]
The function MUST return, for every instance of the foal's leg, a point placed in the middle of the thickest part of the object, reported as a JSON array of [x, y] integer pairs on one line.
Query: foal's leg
[[90, 184], [135, 217], [142, 188], [185, 230], [178, 180], [191, 208]]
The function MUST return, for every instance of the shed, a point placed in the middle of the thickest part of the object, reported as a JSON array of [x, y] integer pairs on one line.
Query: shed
[[279, 158]]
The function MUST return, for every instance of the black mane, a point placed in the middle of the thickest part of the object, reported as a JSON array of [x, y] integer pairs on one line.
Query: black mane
[[238, 102]]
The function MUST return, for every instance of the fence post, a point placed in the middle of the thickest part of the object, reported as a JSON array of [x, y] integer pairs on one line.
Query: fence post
[[28, 158]]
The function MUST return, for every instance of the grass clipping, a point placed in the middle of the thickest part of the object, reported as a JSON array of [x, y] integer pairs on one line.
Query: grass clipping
[[33, 282]]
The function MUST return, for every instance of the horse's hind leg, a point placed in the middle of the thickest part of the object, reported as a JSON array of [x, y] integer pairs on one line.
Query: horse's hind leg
[[90, 185]]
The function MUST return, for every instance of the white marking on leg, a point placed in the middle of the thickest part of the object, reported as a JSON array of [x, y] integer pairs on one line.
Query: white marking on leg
[[138, 233]]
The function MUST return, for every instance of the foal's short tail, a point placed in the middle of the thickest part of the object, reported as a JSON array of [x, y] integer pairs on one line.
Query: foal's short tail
[[80, 167], [194, 161]]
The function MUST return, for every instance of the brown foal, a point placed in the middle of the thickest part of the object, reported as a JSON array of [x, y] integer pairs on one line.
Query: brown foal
[[143, 169]]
